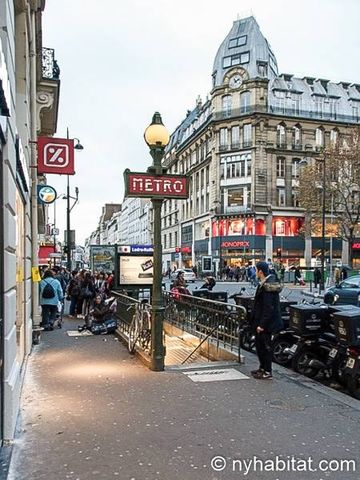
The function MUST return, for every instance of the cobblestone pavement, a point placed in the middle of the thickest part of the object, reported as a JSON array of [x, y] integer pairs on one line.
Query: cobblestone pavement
[[91, 411]]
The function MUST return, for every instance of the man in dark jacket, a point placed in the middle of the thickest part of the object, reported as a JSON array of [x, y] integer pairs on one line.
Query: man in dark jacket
[[266, 318]]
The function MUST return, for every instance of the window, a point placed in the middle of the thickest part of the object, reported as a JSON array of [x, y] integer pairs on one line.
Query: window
[[226, 104], [235, 166], [296, 137], [319, 137], [236, 198], [244, 102], [319, 105], [281, 197], [281, 136], [238, 41], [334, 135], [262, 68], [280, 167], [223, 137], [247, 135], [235, 137], [355, 109], [295, 198], [176, 239], [237, 59], [295, 169]]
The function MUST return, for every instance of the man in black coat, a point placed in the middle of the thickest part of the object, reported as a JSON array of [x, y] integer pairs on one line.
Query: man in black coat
[[266, 318]]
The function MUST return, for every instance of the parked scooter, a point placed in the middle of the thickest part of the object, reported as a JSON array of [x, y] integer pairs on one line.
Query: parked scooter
[[347, 329]]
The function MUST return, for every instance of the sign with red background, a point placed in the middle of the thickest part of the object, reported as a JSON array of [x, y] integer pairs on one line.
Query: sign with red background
[[56, 156]]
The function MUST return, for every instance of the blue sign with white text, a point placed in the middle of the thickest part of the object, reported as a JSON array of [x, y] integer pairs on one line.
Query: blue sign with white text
[[141, 248]]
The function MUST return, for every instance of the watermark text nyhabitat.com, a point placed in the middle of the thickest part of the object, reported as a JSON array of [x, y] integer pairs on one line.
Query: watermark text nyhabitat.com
[[278, 464]]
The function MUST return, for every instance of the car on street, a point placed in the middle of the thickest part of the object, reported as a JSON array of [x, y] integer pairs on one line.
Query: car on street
[[346, 292], [189, 275]]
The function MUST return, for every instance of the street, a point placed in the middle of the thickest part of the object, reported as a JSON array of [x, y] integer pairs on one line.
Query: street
[[91, 410]]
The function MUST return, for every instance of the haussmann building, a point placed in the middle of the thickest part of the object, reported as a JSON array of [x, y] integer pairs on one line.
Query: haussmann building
[[241, 149]]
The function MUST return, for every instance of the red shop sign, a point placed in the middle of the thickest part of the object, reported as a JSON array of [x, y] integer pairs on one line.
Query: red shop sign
[[155, 186], [56, 155], [356, 246], [234, 244]]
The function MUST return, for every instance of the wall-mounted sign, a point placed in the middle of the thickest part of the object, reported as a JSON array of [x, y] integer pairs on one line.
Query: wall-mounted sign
[[56, 155], [206, 264], [149, 185], [240, 244], [102, 258], [46, 194], [356, 246]]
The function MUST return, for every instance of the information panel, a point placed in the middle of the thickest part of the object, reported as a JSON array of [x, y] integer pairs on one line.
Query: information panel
[[135, 270], [102, 258]]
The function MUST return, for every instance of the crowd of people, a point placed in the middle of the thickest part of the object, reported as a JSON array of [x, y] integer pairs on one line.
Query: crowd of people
[[86, 291]]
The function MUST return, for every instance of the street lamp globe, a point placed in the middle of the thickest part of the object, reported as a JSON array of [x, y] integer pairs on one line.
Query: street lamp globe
[[156, 134]]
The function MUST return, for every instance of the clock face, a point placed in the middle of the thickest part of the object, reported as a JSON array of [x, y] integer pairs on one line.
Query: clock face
[[235, 81]]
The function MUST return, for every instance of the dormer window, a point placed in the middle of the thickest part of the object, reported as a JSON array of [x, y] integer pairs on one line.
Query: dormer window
[[238, 41], [238, 59]]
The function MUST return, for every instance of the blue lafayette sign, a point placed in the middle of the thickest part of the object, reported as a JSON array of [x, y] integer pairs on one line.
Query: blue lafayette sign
[[141, 248], [46, 194]]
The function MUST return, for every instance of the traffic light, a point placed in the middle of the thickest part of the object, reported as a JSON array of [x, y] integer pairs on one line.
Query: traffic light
[[278, 252], [65, 249]]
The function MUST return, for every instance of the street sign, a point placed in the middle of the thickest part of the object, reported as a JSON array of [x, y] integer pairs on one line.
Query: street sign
[[55, 231], [206, 263], [55, 155], [46, 194], [148, 185], [55, 255]]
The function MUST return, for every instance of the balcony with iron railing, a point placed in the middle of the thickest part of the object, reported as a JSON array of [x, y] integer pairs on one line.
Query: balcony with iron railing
[[48, 90], [50, 67]]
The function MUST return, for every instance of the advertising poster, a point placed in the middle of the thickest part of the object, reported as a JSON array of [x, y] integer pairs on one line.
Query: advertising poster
[[135, 270], [102, 258]]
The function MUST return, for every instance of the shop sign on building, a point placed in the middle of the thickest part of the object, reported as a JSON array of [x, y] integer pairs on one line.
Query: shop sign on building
[[356, 246], [56, 156], [235, 244]]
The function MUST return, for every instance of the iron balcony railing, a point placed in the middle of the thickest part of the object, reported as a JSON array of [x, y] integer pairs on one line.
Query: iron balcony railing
[[50, 67]]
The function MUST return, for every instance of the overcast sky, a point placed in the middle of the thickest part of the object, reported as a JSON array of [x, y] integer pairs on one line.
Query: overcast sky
[[122, 60]]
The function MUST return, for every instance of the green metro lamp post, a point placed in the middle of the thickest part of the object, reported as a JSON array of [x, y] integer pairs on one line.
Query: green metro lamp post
[[157, 186], [157, 137]]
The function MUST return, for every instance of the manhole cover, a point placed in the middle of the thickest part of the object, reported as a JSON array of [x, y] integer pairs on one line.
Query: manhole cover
[[212, 375]]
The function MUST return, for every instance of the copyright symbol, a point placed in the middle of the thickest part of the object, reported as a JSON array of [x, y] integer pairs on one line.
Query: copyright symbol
[[218, 463]]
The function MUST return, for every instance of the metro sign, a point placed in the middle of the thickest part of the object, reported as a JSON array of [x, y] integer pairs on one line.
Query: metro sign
[[56, 155], [150, 185]]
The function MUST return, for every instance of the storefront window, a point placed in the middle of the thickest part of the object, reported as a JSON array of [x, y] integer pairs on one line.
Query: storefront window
[[287, 226]]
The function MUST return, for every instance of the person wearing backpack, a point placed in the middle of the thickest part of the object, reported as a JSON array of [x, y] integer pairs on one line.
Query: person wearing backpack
[[51, 293]]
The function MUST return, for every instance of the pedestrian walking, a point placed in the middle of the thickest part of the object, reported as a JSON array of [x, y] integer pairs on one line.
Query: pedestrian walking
[[298, 275], [87, 293], [73, 293], [266, 319], [317, 277], [337, 275], [51, 293]]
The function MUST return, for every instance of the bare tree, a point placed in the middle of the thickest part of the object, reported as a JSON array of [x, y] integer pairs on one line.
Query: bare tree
[[341, 161]]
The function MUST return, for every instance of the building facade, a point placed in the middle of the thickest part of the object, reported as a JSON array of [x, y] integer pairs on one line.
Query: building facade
[[241, 149], [29, 93]]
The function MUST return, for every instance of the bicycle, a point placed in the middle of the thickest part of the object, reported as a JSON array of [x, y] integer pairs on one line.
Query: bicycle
[[140, 326]]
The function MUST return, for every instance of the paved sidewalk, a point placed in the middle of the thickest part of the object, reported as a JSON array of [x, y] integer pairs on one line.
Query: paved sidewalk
[[91, 411]]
